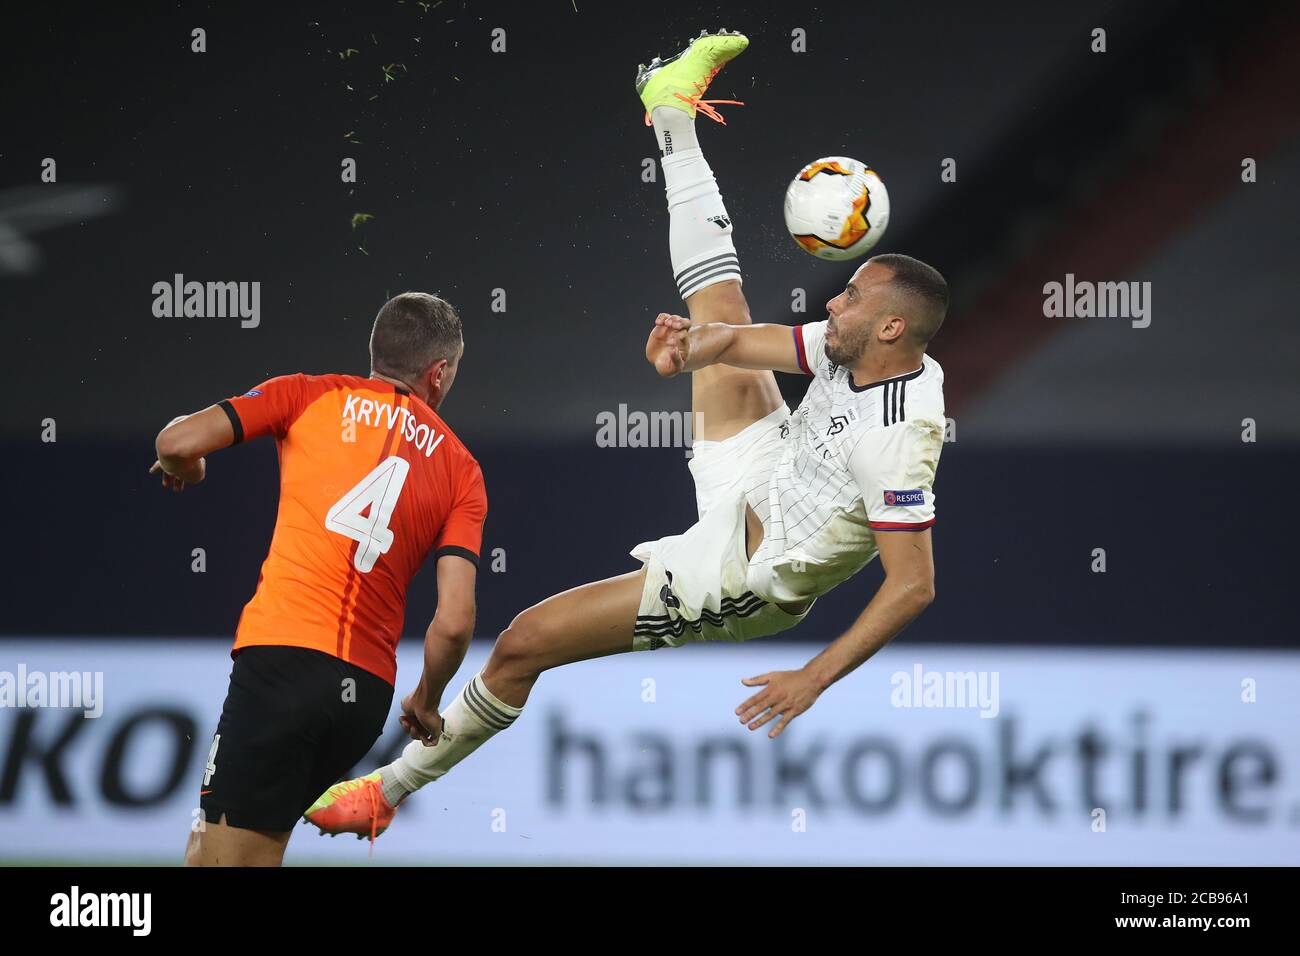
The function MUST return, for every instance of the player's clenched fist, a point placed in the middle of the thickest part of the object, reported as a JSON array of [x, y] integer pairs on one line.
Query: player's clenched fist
[[669, 345], [195, 474], [177, 475], [422, 723]]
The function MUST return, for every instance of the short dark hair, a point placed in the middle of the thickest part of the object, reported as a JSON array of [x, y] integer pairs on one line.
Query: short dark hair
[[412, 332], [923, 284]]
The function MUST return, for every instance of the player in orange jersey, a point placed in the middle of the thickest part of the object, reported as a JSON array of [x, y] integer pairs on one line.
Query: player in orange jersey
[[371, 481]]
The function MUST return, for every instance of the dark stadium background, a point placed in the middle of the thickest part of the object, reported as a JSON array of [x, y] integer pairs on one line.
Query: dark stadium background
[[522, 171]]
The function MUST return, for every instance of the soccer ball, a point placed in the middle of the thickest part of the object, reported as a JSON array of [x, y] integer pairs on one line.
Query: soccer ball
[[836, 208]]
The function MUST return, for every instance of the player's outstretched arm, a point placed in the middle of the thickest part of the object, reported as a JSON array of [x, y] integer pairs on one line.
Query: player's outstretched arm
[[445, 644], [184, 443], [908, 589], [677, 345]]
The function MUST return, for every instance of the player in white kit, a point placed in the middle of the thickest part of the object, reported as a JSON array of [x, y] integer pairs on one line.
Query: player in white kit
[[790, 505]]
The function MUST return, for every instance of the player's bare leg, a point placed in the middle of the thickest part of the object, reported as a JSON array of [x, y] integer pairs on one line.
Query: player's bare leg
[[594, 620], [724, 400], [220, 844]]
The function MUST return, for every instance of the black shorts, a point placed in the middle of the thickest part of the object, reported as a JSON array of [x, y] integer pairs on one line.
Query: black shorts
[[290, 727]]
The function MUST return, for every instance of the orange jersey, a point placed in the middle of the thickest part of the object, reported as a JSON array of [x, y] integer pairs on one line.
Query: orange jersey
[[371, 480]]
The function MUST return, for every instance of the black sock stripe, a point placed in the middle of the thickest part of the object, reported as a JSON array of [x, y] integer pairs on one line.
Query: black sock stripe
[[485, 708], [509, 718], [699, 281], [728, 262], [703, 264], [489, 706], [473, 702], [474, 709]]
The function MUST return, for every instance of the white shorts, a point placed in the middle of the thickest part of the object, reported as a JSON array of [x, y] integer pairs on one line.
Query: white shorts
[[695, 582]]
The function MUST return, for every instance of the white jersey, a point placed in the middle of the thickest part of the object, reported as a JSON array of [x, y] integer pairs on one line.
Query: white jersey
[[857, 460]]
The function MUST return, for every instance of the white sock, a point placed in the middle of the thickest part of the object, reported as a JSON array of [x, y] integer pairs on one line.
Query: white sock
[[699, 229], [469, 720], [394, 790], [674, 128]]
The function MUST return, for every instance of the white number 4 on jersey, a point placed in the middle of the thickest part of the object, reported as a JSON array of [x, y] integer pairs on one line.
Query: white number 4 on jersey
[[378, 492]]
